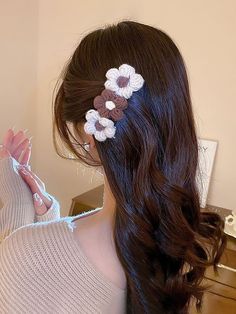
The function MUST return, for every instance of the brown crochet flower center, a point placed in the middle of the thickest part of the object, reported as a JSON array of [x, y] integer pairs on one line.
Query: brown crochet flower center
[[98, 126], [122, 81]]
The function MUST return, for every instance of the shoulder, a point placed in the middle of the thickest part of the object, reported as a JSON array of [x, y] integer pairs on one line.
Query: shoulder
[[30, 239], [96, 243], [30, 255]]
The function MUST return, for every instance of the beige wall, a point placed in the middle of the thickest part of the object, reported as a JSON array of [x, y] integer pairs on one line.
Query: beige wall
[[18, 65], [203, 30]]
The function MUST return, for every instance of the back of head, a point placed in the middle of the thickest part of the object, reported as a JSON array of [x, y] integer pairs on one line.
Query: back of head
[[162, 239]]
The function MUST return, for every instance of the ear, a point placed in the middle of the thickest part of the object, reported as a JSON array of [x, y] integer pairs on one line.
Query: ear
[[84, 137], [77, 132], [90, 140]]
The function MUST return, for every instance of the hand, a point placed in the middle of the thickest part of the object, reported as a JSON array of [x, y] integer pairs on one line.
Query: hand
[[42, 200], [17, 146]]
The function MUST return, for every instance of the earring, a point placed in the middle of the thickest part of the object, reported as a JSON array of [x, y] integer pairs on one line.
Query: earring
[[86, 146]]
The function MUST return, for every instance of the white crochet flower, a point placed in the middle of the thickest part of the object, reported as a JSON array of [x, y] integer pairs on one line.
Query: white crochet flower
[[123, 81], [101, 127]]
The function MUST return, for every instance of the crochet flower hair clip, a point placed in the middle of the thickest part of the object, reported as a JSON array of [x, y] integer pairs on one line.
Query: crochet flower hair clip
[[119, 86]]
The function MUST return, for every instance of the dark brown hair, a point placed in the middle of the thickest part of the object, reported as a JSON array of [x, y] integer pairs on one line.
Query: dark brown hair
[[163, 240]]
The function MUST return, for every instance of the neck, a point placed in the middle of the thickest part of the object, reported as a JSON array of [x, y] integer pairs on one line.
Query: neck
[[109, 205]]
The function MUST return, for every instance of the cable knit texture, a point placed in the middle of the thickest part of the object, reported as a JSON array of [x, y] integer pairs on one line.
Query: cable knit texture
[[42, 267]]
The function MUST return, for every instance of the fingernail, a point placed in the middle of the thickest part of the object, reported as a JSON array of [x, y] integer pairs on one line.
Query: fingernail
[[13, 127], [37, 199], [24, 171], [30, 138], [3, 150], [26, 130], [28, 167]]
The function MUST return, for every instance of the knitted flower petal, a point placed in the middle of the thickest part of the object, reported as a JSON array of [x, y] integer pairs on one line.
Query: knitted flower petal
[[112, 85], [104, 112], [106, 122], [117, 114], [121, 102], [110, 131], [107, 94], [89, 127], [98, 102], [92, 115], [100, 136], [136, 82], [112, 74], [125, 92], [126, 70]]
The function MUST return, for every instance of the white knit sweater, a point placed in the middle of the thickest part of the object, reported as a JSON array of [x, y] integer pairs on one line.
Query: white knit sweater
[[42, 267]]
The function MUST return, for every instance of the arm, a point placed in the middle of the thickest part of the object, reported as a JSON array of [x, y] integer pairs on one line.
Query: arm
[[46, 206], [18, 208], [52, 213]]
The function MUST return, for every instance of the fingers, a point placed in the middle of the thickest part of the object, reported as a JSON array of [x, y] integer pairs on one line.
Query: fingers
[[40, 207], [25, 157], [17, 144], [4, 153], [35, 187], [42, 202], [17, 138], [8, 138], [38, 180], [16, 153]]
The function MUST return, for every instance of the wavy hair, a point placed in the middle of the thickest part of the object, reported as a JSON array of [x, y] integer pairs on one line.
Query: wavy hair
[[163, 239]]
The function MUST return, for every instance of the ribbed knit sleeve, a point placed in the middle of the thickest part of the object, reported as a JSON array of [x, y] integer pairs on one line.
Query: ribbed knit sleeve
[[52, 213], [43, 270], [18, 208]]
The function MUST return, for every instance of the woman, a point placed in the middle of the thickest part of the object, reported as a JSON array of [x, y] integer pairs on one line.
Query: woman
[[123, 106]]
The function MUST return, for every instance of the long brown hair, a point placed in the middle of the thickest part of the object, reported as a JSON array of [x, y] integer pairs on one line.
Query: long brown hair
[[163, 240]]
